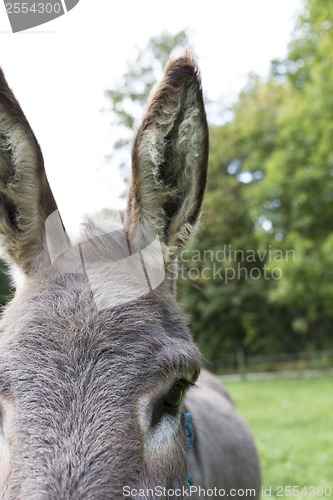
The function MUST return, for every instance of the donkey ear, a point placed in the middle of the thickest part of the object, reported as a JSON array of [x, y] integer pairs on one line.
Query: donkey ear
[[170, 155], [25, 196]]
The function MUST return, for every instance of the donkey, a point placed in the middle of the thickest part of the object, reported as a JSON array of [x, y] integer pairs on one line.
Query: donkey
[[96, 360]]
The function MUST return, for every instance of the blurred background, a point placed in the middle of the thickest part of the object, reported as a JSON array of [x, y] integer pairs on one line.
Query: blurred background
[[257, 284]]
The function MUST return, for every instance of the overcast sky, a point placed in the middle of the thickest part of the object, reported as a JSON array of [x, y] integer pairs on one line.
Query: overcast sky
[[59, 72]]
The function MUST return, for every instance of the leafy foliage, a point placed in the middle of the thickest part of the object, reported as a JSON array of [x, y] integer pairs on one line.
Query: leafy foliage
[[272, 189]]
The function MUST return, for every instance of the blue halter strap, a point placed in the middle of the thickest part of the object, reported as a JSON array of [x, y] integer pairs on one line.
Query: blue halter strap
[[189, 438]]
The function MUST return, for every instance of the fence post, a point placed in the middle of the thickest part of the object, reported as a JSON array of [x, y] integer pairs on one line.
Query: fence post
[[241, 363]]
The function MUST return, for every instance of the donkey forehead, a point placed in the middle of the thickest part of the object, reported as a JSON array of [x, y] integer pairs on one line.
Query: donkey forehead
[[59, 330]]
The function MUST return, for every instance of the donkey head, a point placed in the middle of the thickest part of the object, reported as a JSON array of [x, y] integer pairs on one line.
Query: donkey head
[[92, 382]]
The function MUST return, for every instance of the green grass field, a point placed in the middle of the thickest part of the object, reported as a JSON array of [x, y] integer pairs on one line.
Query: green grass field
[[292, 422]]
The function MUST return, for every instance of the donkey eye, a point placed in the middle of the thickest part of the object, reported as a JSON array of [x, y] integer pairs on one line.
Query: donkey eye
[[175, 397], [170, 403]]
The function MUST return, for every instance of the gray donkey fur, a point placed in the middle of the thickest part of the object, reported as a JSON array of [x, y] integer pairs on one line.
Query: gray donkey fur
[[92, 387]]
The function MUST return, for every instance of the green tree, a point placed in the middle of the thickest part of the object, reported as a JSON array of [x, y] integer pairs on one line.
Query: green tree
[[299, 174], [271, 189]]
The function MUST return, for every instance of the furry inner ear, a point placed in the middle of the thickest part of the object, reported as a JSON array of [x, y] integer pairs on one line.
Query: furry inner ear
[[26, 199], [170, 155]]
